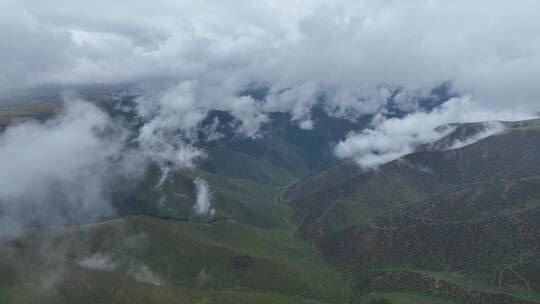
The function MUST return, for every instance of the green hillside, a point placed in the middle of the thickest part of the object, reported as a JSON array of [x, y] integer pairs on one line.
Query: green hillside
[[166, 259], [293, 225], [160, 251], [414, 222]]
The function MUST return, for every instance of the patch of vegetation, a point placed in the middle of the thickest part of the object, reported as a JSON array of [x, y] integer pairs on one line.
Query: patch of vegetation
[[216, 257], [402, 298]]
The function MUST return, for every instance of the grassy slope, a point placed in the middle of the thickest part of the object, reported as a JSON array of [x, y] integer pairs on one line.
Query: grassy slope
[[402, 298], [185, 256], [283, 270], [97, 286], [245, 201], [400, 185], [195, 261], [413, 208]]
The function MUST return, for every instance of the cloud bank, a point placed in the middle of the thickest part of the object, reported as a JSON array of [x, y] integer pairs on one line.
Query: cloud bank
[[349, 52]]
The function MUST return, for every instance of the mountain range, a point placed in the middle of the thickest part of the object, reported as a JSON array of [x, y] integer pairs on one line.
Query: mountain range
[[292, 224]]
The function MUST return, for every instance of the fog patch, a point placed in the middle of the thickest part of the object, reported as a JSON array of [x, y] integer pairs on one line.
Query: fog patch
[[136, 270], [98, 261], [203, 279], [143, 274], [203, 202], [490, 128], [416, 166], [62, 170], [162, 178]]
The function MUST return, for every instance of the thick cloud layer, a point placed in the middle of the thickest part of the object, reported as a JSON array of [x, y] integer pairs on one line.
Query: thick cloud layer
[[349, 51]]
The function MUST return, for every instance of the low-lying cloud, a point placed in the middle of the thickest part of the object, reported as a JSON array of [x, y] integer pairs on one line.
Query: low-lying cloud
[[172, 118], [61, 170], [489, 128], [392, 138], [171, 121], [138, 271], [203, 203]]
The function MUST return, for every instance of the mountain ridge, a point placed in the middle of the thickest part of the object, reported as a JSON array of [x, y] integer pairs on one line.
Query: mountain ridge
[[288, 220]]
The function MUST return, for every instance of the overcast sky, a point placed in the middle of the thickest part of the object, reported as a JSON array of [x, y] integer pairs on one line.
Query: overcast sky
[[347, 49]]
